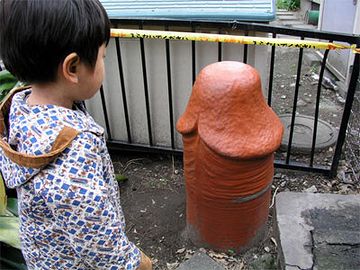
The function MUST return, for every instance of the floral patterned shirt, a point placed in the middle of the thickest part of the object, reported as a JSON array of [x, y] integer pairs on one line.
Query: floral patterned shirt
[[70, 213]]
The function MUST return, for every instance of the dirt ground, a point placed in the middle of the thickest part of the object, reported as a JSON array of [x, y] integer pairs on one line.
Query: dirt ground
[[153, 199], [153, 196]]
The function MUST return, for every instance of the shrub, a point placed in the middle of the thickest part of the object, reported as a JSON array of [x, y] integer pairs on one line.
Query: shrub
[[288, 4]]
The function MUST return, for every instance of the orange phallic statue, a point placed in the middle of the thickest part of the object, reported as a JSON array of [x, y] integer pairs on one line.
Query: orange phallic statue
[[229, 135]]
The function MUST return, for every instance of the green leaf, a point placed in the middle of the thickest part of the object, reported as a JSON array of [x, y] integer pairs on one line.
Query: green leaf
[[7, 82], [6, 86], [12, 257], [3, 200], [12, 206], [18, 266], [7, 77], [9, 231], [120, 178]]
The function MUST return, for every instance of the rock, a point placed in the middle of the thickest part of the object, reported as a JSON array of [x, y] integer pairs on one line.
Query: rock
[[274, 241], [308, 100], [301, 103], [292, 180], [344, 188], [172, 266], [265, 261], [180, 251], [200, 261], [344, 178], [315, 76], [340, 98], [311, 189], [329, 83]]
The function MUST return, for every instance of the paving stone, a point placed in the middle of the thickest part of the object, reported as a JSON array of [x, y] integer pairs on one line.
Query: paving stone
[[200, 261], [336, 256], [318, 231], [335, 249], [351, 238]]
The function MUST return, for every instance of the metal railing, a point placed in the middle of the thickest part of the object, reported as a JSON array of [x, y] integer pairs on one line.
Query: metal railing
[[302, 162], [290, 159], [352, 172]]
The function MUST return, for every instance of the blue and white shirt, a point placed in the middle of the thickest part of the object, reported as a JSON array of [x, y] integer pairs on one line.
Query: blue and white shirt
[[70, 213]]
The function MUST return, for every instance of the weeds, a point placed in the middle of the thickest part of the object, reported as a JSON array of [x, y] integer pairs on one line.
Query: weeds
[[288, 4]]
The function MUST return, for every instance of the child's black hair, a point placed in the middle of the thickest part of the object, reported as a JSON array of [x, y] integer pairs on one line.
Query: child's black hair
[[36, 35]]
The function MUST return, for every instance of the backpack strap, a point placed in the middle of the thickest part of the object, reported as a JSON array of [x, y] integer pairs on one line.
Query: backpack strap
[[63, 140]]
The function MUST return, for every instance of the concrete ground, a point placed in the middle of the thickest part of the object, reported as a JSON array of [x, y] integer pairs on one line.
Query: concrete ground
[[318, 231]]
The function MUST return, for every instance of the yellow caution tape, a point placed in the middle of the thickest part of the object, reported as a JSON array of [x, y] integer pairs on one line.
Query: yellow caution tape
[[189, 36]]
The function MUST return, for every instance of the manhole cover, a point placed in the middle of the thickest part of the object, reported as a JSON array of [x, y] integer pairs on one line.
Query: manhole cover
[[303, 133]]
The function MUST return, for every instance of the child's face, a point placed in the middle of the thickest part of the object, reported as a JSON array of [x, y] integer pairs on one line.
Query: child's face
[[91, 80]]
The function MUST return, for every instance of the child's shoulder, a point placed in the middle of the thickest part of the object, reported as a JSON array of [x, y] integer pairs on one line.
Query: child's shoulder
[[36, 127], [49, 116]]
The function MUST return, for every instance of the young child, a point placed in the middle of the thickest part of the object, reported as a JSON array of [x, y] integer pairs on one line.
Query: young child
[[52, 151]]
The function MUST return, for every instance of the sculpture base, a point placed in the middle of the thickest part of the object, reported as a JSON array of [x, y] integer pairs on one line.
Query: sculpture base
[[193, 235]]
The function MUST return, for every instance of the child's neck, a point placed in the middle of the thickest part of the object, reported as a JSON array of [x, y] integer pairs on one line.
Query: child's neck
[[49, 94]]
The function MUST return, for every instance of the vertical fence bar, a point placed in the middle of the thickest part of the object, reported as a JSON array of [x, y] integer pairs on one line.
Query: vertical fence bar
[[146, 89], [193, 58], [123, 92], [105, 112], [317, 106], [168, 68], [346, 114], [271, 76], [245, 56], [219, 50], [298, 74]]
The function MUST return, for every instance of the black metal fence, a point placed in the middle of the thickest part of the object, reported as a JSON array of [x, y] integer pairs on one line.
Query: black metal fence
[[351, 172], [288, 159]]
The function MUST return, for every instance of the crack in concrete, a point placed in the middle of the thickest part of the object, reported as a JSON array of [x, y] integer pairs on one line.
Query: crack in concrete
[[312, 249], [343, 244]]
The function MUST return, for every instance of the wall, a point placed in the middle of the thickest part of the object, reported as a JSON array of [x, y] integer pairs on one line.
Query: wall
[[181, 69]]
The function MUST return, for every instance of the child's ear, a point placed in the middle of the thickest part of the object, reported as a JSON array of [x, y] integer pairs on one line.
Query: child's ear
[[70, 67]]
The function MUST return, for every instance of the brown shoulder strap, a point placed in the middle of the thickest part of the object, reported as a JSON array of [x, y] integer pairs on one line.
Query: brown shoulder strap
[[63, 140]]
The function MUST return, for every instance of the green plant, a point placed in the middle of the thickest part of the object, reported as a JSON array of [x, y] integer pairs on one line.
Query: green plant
[[9, 220], [7, 82], [9, 231], [288, 4]]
